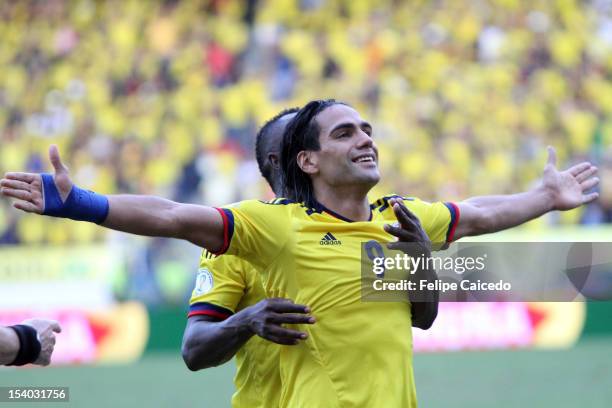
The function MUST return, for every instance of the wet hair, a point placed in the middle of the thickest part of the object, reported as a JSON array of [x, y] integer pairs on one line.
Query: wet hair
[[301, 133], [263, 147]]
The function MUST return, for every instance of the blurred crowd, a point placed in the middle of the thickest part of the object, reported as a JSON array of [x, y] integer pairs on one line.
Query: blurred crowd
[[165, 97]]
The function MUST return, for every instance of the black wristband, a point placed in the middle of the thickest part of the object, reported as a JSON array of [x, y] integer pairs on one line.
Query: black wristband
[[29, 346]]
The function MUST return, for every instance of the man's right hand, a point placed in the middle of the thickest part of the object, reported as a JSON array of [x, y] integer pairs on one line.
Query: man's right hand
[[27, 188], [46, 330], [266, 318]]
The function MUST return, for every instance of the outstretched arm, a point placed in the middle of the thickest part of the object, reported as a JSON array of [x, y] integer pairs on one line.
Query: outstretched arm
[[558, 190], [142, 215], [158, 217], [9, 345]]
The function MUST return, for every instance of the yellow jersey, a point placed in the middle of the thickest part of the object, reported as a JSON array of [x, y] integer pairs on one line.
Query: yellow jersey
[[225, 285], [358, 354]]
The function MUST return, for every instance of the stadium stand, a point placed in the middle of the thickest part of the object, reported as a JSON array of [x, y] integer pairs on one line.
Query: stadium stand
[[165, 97]]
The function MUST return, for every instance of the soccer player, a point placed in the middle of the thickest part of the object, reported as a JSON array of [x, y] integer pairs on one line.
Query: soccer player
[[308, 249], [229, 306], [31, 342]]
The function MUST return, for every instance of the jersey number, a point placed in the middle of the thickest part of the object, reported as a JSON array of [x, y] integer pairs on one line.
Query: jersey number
[[374, 250]]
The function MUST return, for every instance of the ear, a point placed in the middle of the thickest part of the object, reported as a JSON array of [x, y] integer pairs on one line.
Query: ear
[[273, 159], [308, 161]]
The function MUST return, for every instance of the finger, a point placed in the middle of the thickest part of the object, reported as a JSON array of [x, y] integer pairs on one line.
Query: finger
[[579, 168], [405, 210], [56, 161], [289, 307], [292, 318], [25, 177], [55, 326], [586, 174], [18, 194], [588, 198], [552, 156], [16, 184], [404, 220], [589, 184], [27, 207], [401, 233], [410, 215], [395, 231], [285, 333]]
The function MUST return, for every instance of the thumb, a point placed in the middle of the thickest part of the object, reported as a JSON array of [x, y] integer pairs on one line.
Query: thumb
[[552, 156], [55, 326], [56, 161]]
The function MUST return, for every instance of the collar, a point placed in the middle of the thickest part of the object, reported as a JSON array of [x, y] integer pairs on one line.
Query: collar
[[320, 208]]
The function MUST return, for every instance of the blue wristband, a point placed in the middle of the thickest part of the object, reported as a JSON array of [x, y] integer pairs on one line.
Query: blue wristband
[[81, 205]]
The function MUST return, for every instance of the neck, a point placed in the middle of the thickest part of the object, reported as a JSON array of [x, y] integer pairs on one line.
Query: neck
[[277, 186], [350, 202]]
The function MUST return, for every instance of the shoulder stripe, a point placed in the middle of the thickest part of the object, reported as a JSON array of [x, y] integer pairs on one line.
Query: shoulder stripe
[[208, 309], [452, 225], [228, 228]]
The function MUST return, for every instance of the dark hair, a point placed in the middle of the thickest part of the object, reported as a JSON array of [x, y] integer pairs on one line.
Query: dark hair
[[262, 147], [302, 133]]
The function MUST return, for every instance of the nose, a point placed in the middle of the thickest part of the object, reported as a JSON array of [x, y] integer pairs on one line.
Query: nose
[[364, 140]]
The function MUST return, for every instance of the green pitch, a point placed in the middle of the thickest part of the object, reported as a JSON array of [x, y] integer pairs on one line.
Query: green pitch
[[581, 376]]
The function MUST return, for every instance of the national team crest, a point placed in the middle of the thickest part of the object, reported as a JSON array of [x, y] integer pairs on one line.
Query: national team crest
[[204, 282]]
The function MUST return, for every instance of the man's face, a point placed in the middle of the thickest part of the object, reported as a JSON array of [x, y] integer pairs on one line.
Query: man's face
[[348, 155]]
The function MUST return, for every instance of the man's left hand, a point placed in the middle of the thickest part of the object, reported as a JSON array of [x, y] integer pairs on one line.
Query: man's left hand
[[568, 189], [408, 230]]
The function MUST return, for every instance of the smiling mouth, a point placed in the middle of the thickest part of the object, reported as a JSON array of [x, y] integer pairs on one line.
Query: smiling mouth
[[368, 158]]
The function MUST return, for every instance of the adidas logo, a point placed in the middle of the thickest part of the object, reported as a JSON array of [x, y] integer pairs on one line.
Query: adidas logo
[[329, 239]]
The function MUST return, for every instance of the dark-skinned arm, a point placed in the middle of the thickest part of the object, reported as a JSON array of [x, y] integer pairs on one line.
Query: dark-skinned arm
[[208, 342], [413, 240]]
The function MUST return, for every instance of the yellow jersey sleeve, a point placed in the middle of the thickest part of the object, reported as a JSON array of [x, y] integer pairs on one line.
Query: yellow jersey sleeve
[[439, 219], [220, 286], [256, 230]]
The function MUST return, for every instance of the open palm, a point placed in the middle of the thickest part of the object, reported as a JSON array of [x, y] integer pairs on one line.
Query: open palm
[[569, 187], [27, 188]]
